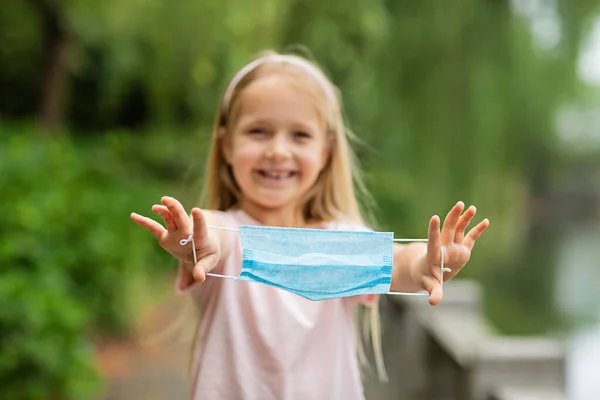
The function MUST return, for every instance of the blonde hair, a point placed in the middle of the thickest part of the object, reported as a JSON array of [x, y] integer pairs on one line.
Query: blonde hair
[[335, 194]]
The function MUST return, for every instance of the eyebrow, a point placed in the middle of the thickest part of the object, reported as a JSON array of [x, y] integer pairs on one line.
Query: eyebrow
[[261, 121]]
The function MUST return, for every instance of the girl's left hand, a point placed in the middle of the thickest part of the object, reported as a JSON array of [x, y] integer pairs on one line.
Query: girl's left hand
[[457, 249]]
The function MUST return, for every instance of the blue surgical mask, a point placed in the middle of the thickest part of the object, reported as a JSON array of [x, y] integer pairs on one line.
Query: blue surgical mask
[[317, 264]]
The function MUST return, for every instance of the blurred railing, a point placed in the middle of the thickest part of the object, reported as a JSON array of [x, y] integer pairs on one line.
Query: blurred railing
[[449, 352]]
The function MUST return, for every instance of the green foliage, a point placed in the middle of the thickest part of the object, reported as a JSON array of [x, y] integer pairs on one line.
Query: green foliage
[[71, 259], [44, 354]]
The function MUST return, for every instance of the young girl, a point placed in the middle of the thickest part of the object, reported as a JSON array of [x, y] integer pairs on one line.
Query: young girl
[[280, 157]]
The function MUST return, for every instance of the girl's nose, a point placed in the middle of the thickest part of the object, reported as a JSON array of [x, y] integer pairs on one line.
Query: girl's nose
[[278, 148]]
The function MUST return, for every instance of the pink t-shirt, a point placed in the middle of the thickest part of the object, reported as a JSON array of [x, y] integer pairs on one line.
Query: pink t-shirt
[[257, 342]]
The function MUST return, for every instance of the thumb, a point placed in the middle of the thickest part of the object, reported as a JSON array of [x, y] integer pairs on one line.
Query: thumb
[[434, 287], [436, 295], [199, 222], [203, 266]]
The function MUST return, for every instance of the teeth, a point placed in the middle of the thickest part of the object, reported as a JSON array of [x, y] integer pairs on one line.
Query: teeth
[[278, 175]]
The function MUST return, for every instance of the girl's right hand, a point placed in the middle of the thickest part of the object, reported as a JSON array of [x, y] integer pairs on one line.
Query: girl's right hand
[[179, 226]]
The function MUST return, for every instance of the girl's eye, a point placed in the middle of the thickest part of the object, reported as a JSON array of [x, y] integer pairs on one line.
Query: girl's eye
[[256, 131], [301, 135]]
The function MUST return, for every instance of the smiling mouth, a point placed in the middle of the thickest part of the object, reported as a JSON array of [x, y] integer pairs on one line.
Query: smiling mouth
[[276, 175]]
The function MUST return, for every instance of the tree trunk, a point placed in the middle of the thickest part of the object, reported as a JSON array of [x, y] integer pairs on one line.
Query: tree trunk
[[56, 39]]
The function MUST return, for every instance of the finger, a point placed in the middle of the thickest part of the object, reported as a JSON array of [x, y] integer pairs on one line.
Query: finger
[[436, 295], [205, 265], [463, 223], [474, 233], [154, 227], [433, 240], [166, 215], [179, 215], [200, 229], [450, 222], [434, 288]]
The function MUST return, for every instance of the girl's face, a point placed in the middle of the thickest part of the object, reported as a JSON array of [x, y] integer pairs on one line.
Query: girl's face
[[277, 144]]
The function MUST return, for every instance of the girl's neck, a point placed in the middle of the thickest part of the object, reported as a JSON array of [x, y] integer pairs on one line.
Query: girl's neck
[[285, 216]]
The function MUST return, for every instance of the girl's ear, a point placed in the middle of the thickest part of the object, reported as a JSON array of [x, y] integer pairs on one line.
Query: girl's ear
[[224, 144]]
